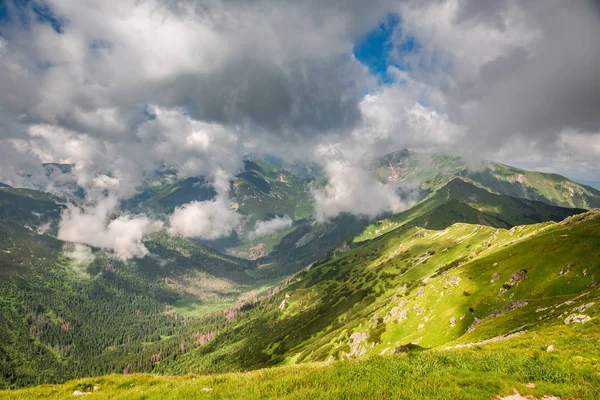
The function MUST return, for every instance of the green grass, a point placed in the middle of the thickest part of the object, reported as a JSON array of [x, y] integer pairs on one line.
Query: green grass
[[481, 373]]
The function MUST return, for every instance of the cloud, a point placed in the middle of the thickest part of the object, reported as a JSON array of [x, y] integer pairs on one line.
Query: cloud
[[79, 253], [272, 226], [508, 70], [125, 87], [95, 226], [351, 189], [204, 219], [211, 219]]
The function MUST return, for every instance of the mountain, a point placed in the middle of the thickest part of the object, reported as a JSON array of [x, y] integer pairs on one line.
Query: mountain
[[464, 265], [60, 318], [418, 289], [594, 184], [461, 201], [433, 171]]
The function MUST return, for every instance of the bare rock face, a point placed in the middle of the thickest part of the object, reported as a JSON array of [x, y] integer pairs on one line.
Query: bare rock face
[[495, 277], [357, 343], [515, 278], [577, 319], [453, 321]]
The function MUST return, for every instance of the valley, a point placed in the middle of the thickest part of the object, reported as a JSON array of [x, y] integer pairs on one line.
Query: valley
[[439, 290]]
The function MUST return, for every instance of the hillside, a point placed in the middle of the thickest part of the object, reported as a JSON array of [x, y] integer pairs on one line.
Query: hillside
[[434, 171], [433, 289], [493, 371], [61, 319], [462, 266], [492, 309], [461, 201]]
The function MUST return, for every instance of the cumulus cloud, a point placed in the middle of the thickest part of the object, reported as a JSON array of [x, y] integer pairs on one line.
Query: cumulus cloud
[[123, 87], [272, 226], [96, 226], [351, 189], [210, 219], [509, 70]]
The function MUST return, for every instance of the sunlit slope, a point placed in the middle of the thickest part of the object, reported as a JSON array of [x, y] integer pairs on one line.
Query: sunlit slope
[[427, 288], [461, 201]]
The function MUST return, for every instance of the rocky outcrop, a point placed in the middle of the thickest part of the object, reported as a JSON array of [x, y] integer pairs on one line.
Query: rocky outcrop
[[512, 305], [577, 319]]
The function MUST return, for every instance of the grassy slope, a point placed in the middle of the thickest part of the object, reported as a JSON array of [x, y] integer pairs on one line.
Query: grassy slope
[[481, 372], [460, 201], [411, 286]]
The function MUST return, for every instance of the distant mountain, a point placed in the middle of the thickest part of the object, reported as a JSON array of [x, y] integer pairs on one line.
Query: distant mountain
[[434, 171], [463, 265], [462, 201], [30, 208], [594, 184]]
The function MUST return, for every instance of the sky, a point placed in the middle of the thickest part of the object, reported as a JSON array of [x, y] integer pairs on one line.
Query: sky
[[120, 88]]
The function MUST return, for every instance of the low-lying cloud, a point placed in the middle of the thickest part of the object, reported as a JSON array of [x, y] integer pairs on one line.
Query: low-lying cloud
[[210, 219], [271, 227], [95, 226], [351, 189]]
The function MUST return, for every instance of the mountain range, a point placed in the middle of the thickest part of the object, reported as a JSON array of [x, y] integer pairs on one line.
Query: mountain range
[[488, 261]]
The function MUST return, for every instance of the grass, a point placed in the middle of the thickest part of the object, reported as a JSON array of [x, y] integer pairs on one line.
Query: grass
[[480, 373]]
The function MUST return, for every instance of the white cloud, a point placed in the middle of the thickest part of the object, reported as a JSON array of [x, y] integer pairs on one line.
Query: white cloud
[[96, 226], [79, 253], [351, 189], [204, 219], [211, 219], [272, 226]]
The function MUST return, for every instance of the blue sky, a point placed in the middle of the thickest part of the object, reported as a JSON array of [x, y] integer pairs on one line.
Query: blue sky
[[375, 49]]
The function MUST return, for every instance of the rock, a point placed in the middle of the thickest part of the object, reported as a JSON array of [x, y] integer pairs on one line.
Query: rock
[[79, 393], [284, 302], [566, 269], [400, 350], [453, 321], [577, 319], [530, 385], [495, 277], [398, 313], [453, 281], [207, 389], [583, 307], [515, 278], [550, 349], [357, 347]]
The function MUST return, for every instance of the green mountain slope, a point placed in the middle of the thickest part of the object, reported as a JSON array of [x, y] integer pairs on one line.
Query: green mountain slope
[[28, 207], [491, 371], [434, 171], [430, 289], [461, 201], [60, 319]]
